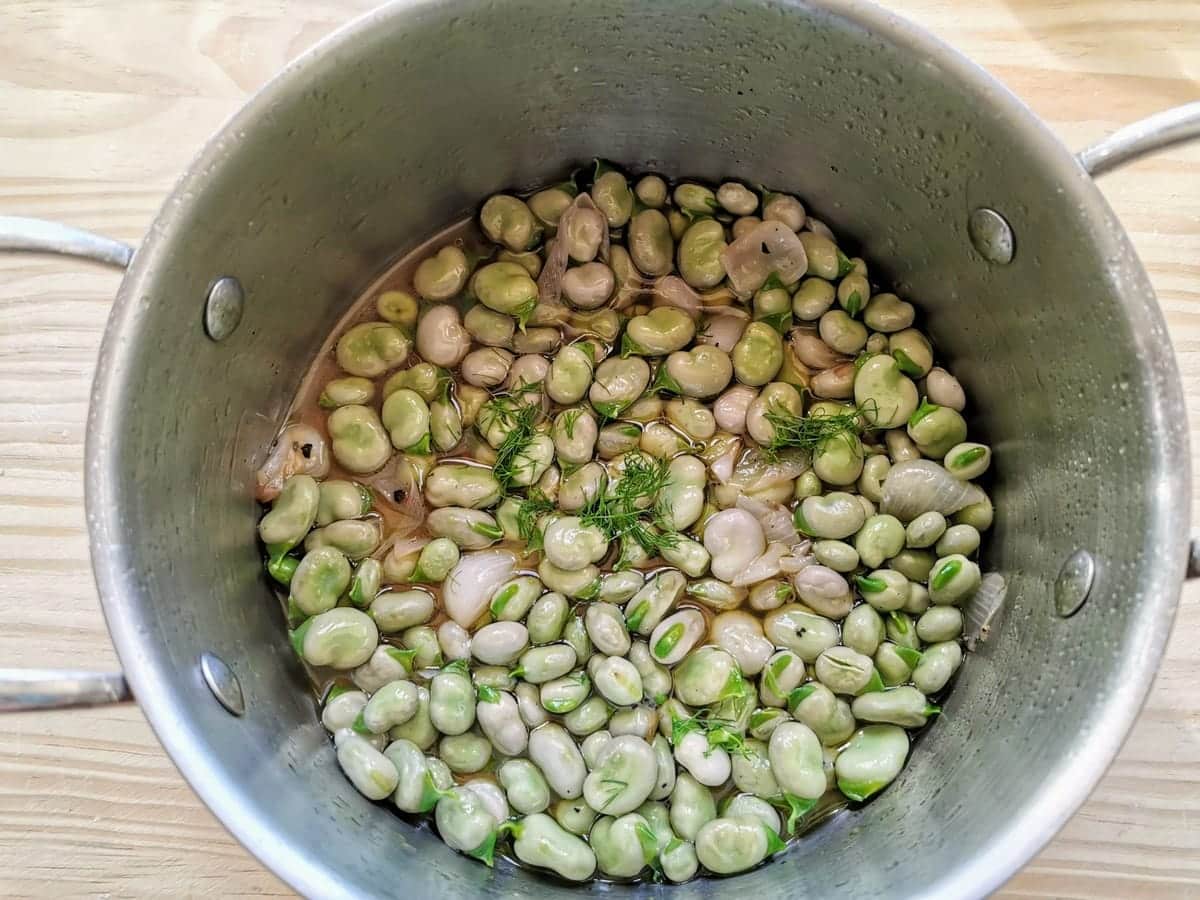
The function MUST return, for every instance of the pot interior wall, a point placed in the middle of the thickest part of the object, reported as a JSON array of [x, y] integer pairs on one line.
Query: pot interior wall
[[398, 128]]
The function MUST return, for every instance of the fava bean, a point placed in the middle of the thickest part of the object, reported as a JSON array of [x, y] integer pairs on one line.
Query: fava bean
[[871, 761]]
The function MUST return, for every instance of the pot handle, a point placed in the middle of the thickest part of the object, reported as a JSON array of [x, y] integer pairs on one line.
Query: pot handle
[[1137, 139], [30, 689], [41, 236]]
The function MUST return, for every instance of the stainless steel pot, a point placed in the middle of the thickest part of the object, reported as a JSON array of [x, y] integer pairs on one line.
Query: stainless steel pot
[[399, 123]]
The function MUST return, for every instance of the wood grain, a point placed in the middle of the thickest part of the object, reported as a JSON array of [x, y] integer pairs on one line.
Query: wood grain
[[104, 103]]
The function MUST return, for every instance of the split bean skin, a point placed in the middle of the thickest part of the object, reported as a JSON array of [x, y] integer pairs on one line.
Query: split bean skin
[[626, 525]]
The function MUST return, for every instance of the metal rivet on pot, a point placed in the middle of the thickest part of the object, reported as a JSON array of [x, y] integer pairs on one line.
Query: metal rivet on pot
[[992, 235], [223, 683], [223, 307], [1074, 583]]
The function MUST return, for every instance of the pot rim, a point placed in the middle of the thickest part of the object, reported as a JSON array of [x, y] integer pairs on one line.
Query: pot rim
[[1027, 832]]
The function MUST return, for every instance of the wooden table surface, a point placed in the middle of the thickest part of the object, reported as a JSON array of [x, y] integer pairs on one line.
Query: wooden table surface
[[102, 104]]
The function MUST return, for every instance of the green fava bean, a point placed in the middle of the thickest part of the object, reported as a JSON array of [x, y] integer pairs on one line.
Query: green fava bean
[[419, 729], [871, 761], [542, 664], [778, 399], [842, 333], [613, 197], [795, 627], [885, 394], [925, 529], [370, 349], [341, 638], [590, 715], [903, 706], [834, 516], [938, 663], [978, 515], [371, 773], [902, 630], [782, 674], [445, 424], [692, 418], [663, 330], [895, 663], [690, 556], [953, 580], [561, 695], [580, 583], [758, 355], [360, 442], [755, 807], [707, 675], [575, 633], [966, 461], [575, 433], [912, 351], [443, 275], [623, 778], [650, 604], [393, 704], [342, 500], [425, 379], [940, 623], [650, 243], [692, 805], [936, 429], [888, 313], [702, 372], [571, 545], [292, 514], [880, 538], [812, 299], [863, 630], [452, 700], [470, 529], [465, 824], [618, 383], [699, 254], [679, 861], [547, 618], [958, 539], [885, 589], [524, 786], [550, 204], [506, 287], [356, 538], [735, 844], [466, 753], [540, 841], [796, 760], [617, 680], [837, 555], [398, 307], [839, 459], [752, 770], [365, 582], [555, 753], [424, 641], [695, 199], [618, 845], [415, 789], [846, 671], [513, 599], [437, 558], [618, 587], [570, 374], [507, 220], [870, 483], [347, 392], [320, 579], [651, 190], [918, 594], [488, 327]]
